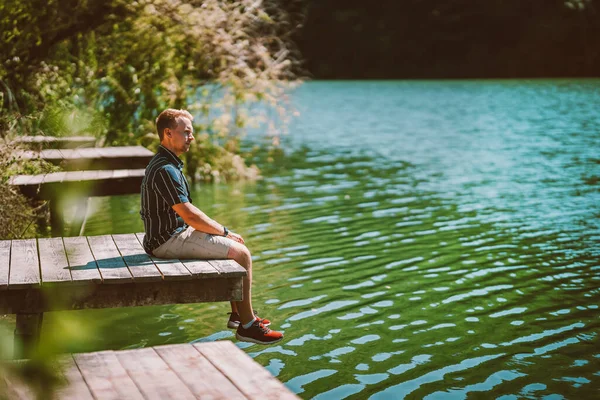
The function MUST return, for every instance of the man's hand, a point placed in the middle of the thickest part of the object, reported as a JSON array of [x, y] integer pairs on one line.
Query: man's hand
[[201, 222], [236, 237]]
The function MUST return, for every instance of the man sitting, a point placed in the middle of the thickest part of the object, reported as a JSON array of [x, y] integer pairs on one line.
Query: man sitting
[[175, 228]]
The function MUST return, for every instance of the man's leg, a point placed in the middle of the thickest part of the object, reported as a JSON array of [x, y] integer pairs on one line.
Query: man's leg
[[250, 329], [193, 244], [240, 253]]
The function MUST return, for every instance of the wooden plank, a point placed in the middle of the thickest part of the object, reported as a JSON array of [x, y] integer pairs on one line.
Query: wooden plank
[[33, 139], [24, 265], [52, 155], [105, 376], [90, 152], [140, 151], [228, 267], [76, 387], [73, 176], [27, 154], [152, 375], [106, 152], [121, 157], [133, 294], [105, 174], [201, 269], [120, 173], [20, 180], [54, 265], [4, 263], [89, 183], [55, 177], [81, 260], [135, 172], [125, 152], [203, 379], [141, 266], [170, 269], [71, 154], [109, 260], [56, 142], [90, 175], [37, 179], [247, 375]]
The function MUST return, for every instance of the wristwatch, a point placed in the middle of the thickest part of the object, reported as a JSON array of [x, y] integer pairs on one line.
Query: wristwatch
[[225, 231]]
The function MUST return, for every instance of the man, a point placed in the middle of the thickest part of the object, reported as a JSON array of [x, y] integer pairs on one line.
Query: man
[[175, 228]]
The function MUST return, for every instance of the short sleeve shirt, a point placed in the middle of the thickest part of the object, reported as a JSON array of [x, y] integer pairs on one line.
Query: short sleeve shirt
[[163, 186]]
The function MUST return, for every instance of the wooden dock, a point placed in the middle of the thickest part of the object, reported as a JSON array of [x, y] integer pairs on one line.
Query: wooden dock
[[78, 186], [80, 183], [215, 370], [51, 274], [123, 175], [53, 142], [96, 158]]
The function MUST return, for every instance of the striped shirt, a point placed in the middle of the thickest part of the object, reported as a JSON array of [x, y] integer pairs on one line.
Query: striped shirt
[[163, 186]]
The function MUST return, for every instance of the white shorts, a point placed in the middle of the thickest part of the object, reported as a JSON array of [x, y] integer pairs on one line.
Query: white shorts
[[190, 243]]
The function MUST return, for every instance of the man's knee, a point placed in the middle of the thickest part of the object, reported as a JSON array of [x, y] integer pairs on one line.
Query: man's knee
[[241, 255]]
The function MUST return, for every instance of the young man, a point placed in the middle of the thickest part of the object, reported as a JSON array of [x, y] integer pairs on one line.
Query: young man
[[175, 228]]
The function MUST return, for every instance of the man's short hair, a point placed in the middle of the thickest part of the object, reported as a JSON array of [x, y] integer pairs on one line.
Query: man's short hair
[[168, 119]]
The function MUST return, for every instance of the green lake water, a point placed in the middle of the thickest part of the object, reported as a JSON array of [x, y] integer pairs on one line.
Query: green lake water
[[424, 239]]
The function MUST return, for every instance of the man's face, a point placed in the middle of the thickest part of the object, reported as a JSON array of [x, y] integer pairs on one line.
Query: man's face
[[182, 136]]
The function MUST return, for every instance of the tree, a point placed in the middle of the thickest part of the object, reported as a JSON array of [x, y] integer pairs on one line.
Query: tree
[[109, 67]]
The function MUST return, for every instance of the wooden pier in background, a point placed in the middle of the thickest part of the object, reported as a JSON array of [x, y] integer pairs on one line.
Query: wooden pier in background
[[53, 142], [95, 158], [107, 171], [76, 187], [79, 183], [215, 370]]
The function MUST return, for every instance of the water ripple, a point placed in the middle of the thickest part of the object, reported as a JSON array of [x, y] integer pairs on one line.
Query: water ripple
[[464, 228]]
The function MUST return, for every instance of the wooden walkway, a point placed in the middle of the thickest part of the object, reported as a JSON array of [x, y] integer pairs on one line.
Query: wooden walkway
[[39, 275], [79, 186], [123, 157], [53, 142], [120, 273], [123, 175], [216, 370], [81, 183]]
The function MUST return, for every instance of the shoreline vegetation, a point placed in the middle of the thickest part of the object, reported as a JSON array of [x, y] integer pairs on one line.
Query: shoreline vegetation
[[107, 69]]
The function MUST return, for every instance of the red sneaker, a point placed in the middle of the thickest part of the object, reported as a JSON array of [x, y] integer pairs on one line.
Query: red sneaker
[[234, 320], [258, 333]]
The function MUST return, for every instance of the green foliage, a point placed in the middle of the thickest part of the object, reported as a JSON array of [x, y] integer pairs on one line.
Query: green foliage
[[109, 68], [43, 370]]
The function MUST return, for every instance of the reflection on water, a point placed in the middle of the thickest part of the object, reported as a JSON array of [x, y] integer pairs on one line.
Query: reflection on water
[[427, 240]]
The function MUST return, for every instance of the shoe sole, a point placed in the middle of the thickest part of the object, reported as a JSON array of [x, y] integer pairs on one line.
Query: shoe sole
[[251, 340], [234, 325]]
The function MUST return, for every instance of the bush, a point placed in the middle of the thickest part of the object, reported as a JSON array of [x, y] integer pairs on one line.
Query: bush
[[107, 68]]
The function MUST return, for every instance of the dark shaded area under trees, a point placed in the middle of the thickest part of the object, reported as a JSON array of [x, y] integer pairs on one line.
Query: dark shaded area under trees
[[390, 39]]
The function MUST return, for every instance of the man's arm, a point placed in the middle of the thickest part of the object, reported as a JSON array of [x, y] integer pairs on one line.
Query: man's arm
[[201, 222]]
